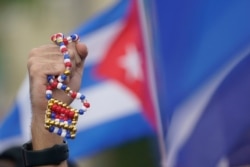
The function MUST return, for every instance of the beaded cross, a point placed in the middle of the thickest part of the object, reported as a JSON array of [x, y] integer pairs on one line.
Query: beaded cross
[[60, 118]]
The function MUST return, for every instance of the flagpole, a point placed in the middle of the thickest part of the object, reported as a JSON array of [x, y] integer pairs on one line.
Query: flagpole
[[148, 50]]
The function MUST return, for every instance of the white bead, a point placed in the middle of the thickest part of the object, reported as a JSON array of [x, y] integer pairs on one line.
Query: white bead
[[60, 79], [84, 108], [66, 60], [59, 85], [69, 39], [51, 81], [48, 92], [64, 133], [63, 46], [56, 129], [78, 95]]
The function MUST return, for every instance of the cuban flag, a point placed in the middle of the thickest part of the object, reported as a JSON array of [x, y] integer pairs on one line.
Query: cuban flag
[[203, 58], [117, 82]]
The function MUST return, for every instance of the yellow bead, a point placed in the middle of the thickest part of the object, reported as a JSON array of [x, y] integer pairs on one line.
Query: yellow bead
[[59, 40], [46, 126], [61, 124], [47, 122], [56, 123], [52, 100], [73, 136], [67, 89], [66, 126], [67, 72], [52, 122], [71, 127], [75, 117], [74, 130]]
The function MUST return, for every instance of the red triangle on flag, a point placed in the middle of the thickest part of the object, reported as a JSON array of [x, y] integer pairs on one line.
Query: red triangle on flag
[[125, 62]]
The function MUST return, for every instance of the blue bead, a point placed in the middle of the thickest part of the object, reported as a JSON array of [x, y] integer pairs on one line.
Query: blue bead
[[66, 56], [59, 131], [48, 96], [68, 135], [49, 77], [51, 129], [69, 121], [82, 97], [73, 37], [64, 77], [64, 87], [81, 111], [53, 115], [61, 44]]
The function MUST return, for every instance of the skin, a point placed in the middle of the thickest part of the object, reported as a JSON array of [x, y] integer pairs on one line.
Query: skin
[[48, 60]]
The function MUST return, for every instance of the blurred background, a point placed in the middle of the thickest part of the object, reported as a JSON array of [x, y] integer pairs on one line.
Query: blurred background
[[194, 91], [27, 24]]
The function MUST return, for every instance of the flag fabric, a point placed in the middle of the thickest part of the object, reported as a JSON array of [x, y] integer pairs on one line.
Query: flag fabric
[[115, 81], [203, 58]]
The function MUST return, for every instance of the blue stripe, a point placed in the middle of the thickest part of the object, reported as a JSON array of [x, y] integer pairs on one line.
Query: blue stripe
[[224, 122], [89, 78], [11, 126], [118, 11], [110, 134], [196, 38]]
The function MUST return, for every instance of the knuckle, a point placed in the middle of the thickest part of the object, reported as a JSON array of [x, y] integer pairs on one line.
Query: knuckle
[[33, 52]]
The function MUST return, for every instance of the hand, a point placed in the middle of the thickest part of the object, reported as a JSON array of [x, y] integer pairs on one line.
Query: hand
[[48, 60]]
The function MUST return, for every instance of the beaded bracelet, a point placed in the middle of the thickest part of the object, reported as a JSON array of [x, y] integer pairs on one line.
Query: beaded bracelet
[[60, 118]]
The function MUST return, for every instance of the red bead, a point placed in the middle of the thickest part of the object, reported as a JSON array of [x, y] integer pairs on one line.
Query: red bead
[[54, 84], [73, 95], [68, 64], [66, 112], [63, 50], [65, 41], [86, 104], [62, 111], [53, 38], [58, 35], [58, 109], [71, 114], [49, 87], [53, 108]]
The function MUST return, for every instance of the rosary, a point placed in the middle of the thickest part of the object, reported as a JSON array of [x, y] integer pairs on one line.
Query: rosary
[[60, 118]]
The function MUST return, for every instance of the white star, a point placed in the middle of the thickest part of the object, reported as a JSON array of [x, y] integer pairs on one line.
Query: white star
[[131, 62]]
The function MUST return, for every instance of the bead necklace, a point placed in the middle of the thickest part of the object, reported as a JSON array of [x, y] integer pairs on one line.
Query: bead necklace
[[60, 118]]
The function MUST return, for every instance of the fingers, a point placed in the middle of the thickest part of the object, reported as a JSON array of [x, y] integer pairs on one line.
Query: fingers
[[48, 60], [79, 52], [82, 50]]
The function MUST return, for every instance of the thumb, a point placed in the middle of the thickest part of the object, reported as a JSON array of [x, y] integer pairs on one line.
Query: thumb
[[82, 50]]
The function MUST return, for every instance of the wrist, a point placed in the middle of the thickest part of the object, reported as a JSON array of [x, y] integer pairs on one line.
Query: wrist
[[41, 138], [55, 155]]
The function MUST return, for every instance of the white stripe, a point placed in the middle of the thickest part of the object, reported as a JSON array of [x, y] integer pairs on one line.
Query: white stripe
[[109, 101], [188, 114], [100, 40], [23, 103]]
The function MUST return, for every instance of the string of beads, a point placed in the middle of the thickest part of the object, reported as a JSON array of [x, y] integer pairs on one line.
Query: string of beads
[[60, 118]]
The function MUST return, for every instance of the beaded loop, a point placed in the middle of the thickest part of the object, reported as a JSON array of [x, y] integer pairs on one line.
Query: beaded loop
[[60, 118]]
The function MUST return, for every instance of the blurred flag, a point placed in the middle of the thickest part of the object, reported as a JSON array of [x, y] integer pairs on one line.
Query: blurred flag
[[116, 82], [203, 63]]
